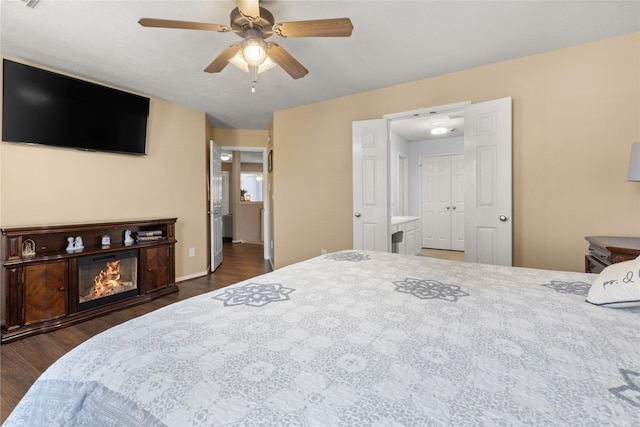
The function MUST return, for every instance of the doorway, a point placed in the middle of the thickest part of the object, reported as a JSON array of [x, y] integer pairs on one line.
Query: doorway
[[415, 137], [487, 152], [257, 158]]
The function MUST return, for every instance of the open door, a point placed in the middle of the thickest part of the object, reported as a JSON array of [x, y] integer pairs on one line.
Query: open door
[[371, 215], [488, 184], [215, 204]]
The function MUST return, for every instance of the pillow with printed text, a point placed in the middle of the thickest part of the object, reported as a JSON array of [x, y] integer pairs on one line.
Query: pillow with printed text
[[618, 285]]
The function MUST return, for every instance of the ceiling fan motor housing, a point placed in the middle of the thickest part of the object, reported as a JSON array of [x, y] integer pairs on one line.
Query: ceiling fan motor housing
[[240, 23]]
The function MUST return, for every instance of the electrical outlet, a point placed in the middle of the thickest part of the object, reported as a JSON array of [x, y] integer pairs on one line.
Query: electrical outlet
[[192, 252], [323, 251]]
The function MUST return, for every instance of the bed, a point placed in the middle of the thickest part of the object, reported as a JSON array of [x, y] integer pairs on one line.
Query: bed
[[358, 338]]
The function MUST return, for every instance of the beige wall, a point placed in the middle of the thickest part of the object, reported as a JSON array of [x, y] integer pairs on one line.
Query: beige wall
[[42, 186], [576, 112], [240, 137]]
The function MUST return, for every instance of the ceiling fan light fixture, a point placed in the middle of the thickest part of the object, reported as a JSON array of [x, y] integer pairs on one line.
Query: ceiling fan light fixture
[[239, 61], [254, 49]]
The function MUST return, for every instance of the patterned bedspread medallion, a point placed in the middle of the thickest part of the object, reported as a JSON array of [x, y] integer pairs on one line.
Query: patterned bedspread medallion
[[254, 294], [429, 289], [629, 392], [348, 256], [576, 288]]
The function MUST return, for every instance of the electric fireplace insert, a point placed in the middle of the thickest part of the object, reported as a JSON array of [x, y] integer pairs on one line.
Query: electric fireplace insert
[[107, 278]]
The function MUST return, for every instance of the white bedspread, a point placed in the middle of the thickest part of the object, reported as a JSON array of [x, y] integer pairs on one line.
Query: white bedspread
[[359, 338]]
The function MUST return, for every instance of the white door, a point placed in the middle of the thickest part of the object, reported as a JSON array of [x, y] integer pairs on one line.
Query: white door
[[435, 186], [442, 201], [488, 208], [215, 204], [371, 215], [457, 202]]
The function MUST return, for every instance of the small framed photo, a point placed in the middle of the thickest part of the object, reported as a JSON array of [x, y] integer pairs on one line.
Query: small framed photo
[[270, 160]]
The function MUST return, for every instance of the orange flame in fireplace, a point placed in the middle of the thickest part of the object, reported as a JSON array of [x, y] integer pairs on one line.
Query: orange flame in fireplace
[[107, 282]]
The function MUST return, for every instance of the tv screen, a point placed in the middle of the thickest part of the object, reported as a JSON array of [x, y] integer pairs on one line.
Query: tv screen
[[42, 107]]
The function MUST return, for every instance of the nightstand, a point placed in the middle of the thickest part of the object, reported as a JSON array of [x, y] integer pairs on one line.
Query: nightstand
[[607, 250]]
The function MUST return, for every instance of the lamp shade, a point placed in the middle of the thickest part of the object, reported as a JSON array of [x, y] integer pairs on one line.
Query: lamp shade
[[634, 163]]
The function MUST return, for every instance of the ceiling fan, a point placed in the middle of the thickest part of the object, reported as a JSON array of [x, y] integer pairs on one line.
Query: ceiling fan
[[255, 24]]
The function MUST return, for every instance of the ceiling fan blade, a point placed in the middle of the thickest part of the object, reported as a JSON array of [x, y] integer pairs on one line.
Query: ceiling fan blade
[[250, 9], [185, 25], [286, 61], [339, 27], [222, 60]]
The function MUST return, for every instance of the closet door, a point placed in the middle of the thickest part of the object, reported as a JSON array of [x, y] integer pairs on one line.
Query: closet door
[[442, 198], [435, 178]]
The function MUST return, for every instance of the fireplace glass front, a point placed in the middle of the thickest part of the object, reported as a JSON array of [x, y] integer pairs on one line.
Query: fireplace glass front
[[103, 279]]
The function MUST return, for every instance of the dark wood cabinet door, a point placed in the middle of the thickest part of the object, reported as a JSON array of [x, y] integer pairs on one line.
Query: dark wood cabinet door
[[45, 289], [156, 260]]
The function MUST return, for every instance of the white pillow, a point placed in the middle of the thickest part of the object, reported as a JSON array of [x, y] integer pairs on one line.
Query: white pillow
[[617, 286]]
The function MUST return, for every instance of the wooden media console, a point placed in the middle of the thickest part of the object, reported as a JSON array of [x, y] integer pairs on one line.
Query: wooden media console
[[45, 272]]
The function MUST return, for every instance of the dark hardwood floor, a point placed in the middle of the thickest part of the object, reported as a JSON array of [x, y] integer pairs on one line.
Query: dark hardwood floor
[[22, 362]]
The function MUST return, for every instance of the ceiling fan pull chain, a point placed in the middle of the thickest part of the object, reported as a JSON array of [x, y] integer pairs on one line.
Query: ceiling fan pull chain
[[255, 79]]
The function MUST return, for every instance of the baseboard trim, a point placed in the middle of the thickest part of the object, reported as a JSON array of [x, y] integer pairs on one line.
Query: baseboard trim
[[191, 276]]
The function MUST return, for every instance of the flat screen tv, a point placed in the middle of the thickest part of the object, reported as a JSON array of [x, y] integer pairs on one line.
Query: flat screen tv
[[42, 107]]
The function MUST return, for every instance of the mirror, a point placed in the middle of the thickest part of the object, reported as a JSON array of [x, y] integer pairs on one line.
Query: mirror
[[251, 187]]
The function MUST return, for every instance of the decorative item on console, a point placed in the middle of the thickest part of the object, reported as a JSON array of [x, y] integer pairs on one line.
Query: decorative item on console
[[28, 248], [149, 236], [128, 240], [75, 245], [71, 245]]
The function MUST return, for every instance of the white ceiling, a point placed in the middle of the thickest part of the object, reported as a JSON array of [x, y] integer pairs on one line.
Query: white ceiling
[[413, 129], [392, 42], [245, 156]]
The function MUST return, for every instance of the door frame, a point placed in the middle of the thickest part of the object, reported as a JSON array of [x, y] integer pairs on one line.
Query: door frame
[[424, 112], [403, 184], [215, 207], [265, 198]]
